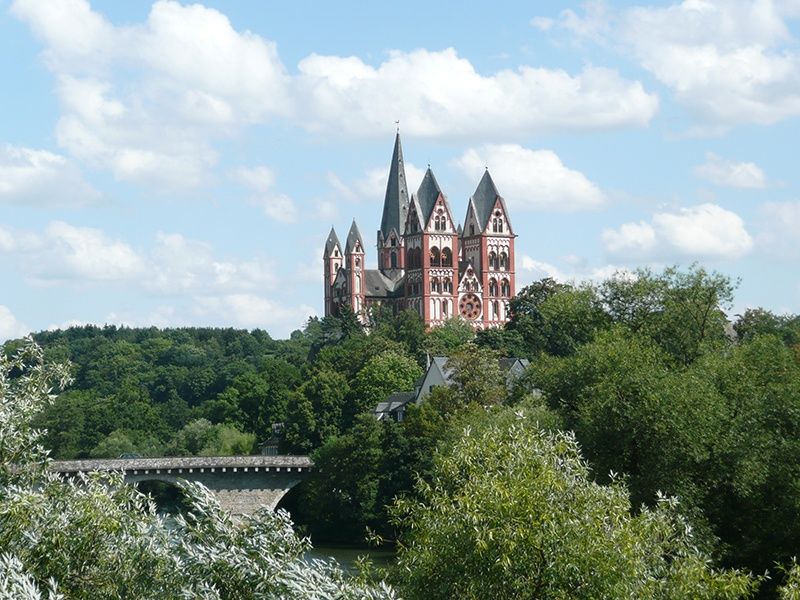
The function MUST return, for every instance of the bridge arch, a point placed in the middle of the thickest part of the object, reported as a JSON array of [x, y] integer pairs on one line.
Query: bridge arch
[[242, 484]]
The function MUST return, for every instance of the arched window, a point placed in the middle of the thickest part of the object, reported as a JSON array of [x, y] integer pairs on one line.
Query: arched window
[[492, 261], [445, 304], [418, 258], [436, 259], [358, 262], [505, 288], [410, 258], [394, 258], [495, 310], [448, 285], [358, 284], [493, 287], [447, 257], [504, 261], [472, 229], [394, 241], [434, 284]]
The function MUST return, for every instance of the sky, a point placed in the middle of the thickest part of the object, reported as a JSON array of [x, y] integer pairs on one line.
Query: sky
[[172, 164]]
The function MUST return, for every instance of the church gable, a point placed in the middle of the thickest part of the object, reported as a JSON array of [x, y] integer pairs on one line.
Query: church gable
[[441, 218], [498, 221], [469, 281]]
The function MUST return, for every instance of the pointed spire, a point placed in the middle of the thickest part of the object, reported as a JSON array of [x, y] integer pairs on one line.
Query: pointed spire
[[427, 194], [333, 242], [484, 198], [395, 203], [353, 236]]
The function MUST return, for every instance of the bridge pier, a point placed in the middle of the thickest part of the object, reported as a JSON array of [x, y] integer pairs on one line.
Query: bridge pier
[[242, 484]]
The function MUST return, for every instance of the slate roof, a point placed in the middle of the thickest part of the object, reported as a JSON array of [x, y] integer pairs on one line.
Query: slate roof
[[484, 198], [353, 235], [393, 402], [378, 285], [395, 203], [426, 196], [332, 242]]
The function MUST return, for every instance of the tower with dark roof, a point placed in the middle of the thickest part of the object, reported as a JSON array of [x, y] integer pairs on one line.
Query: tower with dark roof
[[425, 262], [431, 245], [487, 243], [332, 258], [354, 261], [391, 250]]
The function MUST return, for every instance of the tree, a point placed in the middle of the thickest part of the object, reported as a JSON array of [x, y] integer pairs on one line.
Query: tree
[[512, 513], [447, 338], [382, 375], [99, 538], [476, 374], [681, 311]]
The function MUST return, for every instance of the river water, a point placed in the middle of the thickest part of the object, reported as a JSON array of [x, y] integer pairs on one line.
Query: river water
[[346, 557]]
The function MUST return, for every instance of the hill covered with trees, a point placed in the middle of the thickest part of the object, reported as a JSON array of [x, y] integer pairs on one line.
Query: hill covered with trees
[[661, 391]]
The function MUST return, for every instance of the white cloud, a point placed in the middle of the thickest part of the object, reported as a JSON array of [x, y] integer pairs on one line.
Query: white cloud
[[721, 171], [6, 240], [260, 180], [540, 270], [371, 186], [532, 179], [780, 229], [703, 231], [65, 252], [728, 61], [532, 270], [542, 23], [178, 265], [253, 311], [443, 95], [190, 79], [10, 326], [40, 178]]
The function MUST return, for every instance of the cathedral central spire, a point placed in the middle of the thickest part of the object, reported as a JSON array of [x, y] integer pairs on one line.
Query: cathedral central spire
[[395, 203]]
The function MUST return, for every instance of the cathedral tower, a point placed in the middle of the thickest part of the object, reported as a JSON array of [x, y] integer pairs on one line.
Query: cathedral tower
[[487, 241], [354, 260], [332, 261], [431, 245], [391, 247]]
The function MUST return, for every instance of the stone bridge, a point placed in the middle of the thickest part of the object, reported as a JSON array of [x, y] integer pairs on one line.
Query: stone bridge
[[241, 483]]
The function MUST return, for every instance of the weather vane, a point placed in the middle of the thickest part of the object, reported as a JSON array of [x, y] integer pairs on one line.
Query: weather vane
[[398, 125]]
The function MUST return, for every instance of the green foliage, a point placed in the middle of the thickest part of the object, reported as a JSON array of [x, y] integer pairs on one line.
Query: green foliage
[[449, 337], [98, 538], [382, 375], [201, 438], [681, 311], [511, 513], [477, 377]]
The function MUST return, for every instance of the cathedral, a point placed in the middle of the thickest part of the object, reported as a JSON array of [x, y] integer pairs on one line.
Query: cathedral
[[426, 262]]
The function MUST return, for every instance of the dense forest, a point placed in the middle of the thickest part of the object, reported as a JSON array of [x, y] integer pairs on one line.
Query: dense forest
[[664, 395]]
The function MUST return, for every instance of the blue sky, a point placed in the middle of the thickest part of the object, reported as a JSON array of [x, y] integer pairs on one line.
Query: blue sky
[[178, 164]]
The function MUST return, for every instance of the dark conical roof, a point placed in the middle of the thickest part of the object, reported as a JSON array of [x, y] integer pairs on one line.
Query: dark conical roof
[[484, 199], [352, 236], [332, 242], [427, 194], [395, 203]]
